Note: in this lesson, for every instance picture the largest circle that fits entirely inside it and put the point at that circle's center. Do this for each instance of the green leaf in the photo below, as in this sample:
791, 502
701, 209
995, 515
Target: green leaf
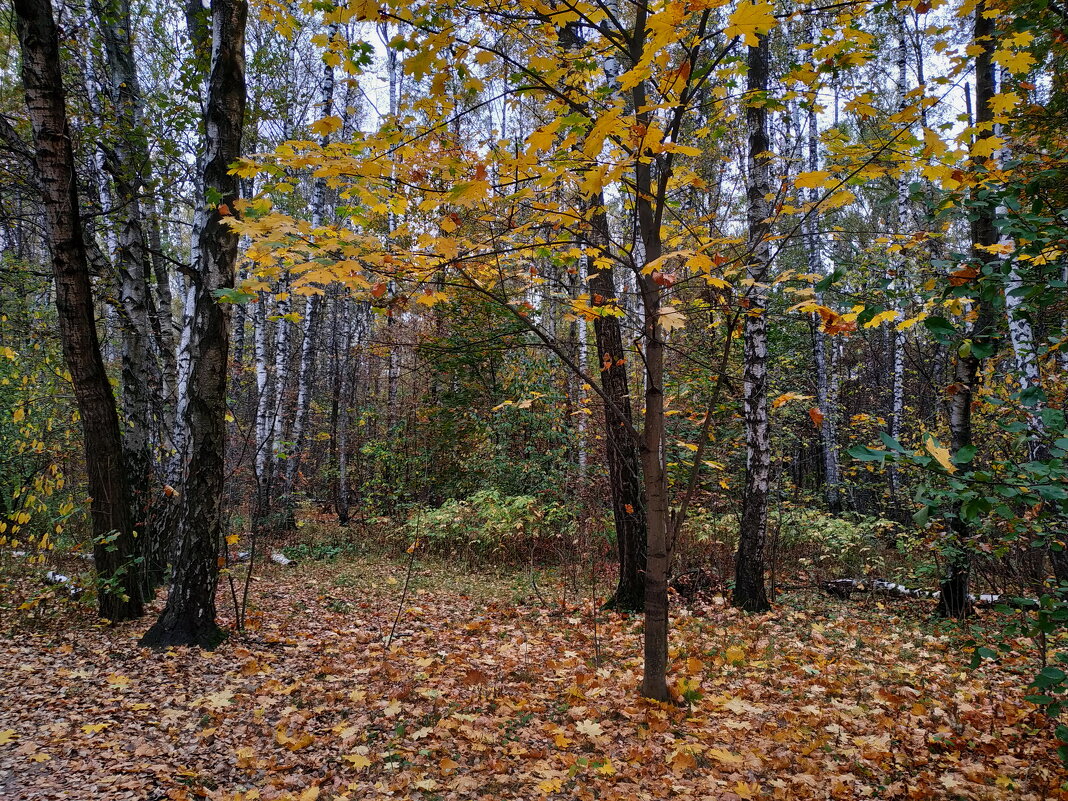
964, 455
866, 454
941, 329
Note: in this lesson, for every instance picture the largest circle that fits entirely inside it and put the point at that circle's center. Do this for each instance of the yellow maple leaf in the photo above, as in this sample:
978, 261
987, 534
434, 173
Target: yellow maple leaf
881, 318
905, 325
1004, 103
589, 728
1017, 63
357, 761
724, 756
815, 179
327, 125
750, 20
7, 736
785, 398
670, 318
550, 785
941, 455
987, 146
735, 655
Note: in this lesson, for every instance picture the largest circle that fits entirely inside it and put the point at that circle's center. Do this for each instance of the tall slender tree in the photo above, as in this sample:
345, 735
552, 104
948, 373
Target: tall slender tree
189, 617
749, 591
114, 545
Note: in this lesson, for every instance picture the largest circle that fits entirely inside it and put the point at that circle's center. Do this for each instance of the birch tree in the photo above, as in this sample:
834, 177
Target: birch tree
189, 617
114, 546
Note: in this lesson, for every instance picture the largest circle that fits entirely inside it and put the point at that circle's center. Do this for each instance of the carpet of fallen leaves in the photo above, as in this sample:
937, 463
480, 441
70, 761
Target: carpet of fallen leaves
481, 698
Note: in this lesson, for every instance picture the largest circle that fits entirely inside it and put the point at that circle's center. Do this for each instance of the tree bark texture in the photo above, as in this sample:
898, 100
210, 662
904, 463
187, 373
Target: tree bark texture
749, 591
312, 310
115, 548
649, 206
825, 400
189, 617
623, 450
143, 397
954, 601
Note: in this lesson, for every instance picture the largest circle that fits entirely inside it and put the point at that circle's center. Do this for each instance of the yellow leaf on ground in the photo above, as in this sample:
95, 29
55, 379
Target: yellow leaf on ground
589, 728
724, 756
735, 655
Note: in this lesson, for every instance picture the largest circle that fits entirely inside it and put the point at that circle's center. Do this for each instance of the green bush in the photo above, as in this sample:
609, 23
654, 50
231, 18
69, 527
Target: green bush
845, 546
490, 522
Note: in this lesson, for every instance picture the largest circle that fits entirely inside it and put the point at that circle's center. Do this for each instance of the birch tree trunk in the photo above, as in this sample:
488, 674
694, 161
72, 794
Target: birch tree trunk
143, 396
749, 591
312, 309
189, 617
264, 405
825, 400
897, 274
114, 546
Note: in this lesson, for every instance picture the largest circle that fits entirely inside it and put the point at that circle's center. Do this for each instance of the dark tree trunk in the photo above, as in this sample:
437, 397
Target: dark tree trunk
954, 601
624, 458
114, 549
189, 617
649, 202
623, 452
749, 591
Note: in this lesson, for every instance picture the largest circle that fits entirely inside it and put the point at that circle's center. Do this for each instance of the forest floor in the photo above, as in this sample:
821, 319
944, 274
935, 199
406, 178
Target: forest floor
481, 697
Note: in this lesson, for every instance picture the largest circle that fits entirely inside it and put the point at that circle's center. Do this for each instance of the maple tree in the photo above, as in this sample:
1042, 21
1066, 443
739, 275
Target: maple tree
752, 294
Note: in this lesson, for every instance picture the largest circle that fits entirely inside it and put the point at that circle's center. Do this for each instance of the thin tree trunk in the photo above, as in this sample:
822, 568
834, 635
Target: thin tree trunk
653, 452
189, 617
953, 601
312, 309
749, 591
344, 399
897, 277
114, 546
824, 361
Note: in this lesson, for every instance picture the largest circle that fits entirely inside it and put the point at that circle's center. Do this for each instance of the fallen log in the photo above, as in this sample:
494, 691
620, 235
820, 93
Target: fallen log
844, 588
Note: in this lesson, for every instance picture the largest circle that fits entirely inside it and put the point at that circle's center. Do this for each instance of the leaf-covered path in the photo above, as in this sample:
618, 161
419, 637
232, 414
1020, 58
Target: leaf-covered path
479, 698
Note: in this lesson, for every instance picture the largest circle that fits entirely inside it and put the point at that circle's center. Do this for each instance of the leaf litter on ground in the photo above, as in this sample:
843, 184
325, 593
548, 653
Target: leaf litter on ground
479, 697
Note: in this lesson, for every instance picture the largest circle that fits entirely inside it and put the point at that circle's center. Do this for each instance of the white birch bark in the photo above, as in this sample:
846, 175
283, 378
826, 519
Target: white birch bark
749, 590
264, 405
312, 305
896, 274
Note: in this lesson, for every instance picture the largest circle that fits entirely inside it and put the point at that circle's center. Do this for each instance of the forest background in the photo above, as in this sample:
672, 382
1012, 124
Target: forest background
744, 296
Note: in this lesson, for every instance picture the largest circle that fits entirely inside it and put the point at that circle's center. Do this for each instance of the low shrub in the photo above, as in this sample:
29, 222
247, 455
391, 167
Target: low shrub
490, 523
